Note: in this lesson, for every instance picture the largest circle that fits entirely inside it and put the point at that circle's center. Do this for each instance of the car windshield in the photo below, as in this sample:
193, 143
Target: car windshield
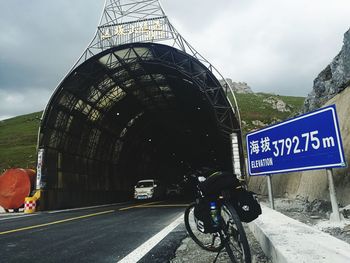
144, 184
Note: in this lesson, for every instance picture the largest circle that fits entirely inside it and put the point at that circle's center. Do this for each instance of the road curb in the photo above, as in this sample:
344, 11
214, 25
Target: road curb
286, 240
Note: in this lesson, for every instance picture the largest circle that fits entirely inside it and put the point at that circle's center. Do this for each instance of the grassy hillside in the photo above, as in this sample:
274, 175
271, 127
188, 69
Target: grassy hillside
18, 137
257, 112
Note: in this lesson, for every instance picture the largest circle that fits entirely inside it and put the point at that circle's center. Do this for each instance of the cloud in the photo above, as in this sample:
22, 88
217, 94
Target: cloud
40, 41
14, 103
274, 46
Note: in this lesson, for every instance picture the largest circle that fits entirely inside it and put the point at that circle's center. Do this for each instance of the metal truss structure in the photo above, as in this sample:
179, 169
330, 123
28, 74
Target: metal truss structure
130, 107
132, 21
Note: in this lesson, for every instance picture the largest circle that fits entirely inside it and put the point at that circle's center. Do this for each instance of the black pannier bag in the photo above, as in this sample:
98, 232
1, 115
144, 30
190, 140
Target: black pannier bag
218, 181
246, 204
202, 216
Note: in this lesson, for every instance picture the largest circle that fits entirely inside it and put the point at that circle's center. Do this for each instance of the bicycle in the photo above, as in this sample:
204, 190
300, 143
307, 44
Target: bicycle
228, 233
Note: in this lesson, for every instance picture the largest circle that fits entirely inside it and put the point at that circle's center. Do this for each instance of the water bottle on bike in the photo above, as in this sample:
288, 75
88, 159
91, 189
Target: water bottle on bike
214, 214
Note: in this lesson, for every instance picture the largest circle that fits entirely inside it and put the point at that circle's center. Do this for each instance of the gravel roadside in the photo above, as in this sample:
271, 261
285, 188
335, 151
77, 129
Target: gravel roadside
189, 251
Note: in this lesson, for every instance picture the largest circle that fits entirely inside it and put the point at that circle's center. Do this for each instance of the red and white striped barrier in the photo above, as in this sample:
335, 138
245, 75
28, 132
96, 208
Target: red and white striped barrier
29, 205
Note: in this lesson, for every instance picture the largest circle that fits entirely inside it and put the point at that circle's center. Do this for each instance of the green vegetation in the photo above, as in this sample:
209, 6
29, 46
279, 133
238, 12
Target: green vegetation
257, 109
18, 138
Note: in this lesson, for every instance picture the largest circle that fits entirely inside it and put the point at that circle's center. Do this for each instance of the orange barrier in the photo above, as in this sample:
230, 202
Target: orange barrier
15, 185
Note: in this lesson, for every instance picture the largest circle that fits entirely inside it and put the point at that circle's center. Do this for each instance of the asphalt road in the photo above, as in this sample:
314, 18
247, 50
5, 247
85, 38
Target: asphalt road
100, 234
127, 232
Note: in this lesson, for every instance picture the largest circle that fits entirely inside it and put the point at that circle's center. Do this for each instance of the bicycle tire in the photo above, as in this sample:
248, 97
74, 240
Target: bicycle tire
205, 240
237, 238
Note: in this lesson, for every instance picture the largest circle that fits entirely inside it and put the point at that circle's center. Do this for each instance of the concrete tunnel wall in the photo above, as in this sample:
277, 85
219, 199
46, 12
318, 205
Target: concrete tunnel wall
132, 112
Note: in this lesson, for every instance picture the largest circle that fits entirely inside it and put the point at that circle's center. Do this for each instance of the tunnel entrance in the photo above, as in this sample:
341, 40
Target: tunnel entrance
132, 112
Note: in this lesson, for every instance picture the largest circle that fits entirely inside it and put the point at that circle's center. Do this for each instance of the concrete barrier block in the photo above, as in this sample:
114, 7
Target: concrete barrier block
284, 239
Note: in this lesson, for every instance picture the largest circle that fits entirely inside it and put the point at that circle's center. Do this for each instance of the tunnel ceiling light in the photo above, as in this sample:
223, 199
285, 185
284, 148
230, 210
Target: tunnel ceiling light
118, 113
149, 139
198, 108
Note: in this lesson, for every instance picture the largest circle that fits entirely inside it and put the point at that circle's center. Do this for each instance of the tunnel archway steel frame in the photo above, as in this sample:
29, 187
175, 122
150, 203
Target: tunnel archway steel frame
122, 12
214, 94
117, 13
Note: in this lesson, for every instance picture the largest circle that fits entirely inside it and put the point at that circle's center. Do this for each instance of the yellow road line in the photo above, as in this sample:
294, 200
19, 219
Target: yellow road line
55, 222
135, 206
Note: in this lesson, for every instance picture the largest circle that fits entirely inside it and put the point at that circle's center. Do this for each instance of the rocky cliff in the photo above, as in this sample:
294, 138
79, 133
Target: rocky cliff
278, 104
332, 80
238, 87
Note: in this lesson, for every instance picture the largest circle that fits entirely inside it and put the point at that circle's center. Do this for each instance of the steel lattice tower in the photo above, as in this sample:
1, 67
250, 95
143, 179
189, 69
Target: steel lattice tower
130, 21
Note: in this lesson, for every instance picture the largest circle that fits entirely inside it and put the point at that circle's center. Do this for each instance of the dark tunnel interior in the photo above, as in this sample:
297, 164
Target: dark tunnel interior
137, 111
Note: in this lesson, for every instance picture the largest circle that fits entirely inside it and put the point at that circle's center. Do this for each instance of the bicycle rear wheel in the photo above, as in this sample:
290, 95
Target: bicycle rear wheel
236, 242
208, 241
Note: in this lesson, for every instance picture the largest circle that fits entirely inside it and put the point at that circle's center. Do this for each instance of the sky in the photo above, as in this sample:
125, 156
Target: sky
276, 46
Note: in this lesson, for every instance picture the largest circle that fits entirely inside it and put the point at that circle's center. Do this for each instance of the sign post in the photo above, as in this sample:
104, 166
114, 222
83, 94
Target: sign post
269, 189
307, 142
335, 215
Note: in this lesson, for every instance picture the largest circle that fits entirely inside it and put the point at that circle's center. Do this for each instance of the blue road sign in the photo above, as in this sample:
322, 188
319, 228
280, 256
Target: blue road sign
310, 141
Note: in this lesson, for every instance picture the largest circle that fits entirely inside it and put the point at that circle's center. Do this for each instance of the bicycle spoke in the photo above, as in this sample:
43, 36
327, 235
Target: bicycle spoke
230, 253
208, 241
233, 241
236, 249
213, 240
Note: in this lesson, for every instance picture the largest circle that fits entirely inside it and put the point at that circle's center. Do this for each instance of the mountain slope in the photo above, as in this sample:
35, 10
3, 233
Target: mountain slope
262, 109
18, 136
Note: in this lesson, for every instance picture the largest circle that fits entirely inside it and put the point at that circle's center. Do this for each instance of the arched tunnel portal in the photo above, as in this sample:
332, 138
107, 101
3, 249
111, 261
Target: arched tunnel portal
132, 112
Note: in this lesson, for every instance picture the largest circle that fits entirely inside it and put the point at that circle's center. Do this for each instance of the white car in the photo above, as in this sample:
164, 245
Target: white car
148, 189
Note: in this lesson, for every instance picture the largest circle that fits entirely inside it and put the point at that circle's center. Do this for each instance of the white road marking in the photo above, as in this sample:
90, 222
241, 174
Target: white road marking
83, 208
15, 217
142, 250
